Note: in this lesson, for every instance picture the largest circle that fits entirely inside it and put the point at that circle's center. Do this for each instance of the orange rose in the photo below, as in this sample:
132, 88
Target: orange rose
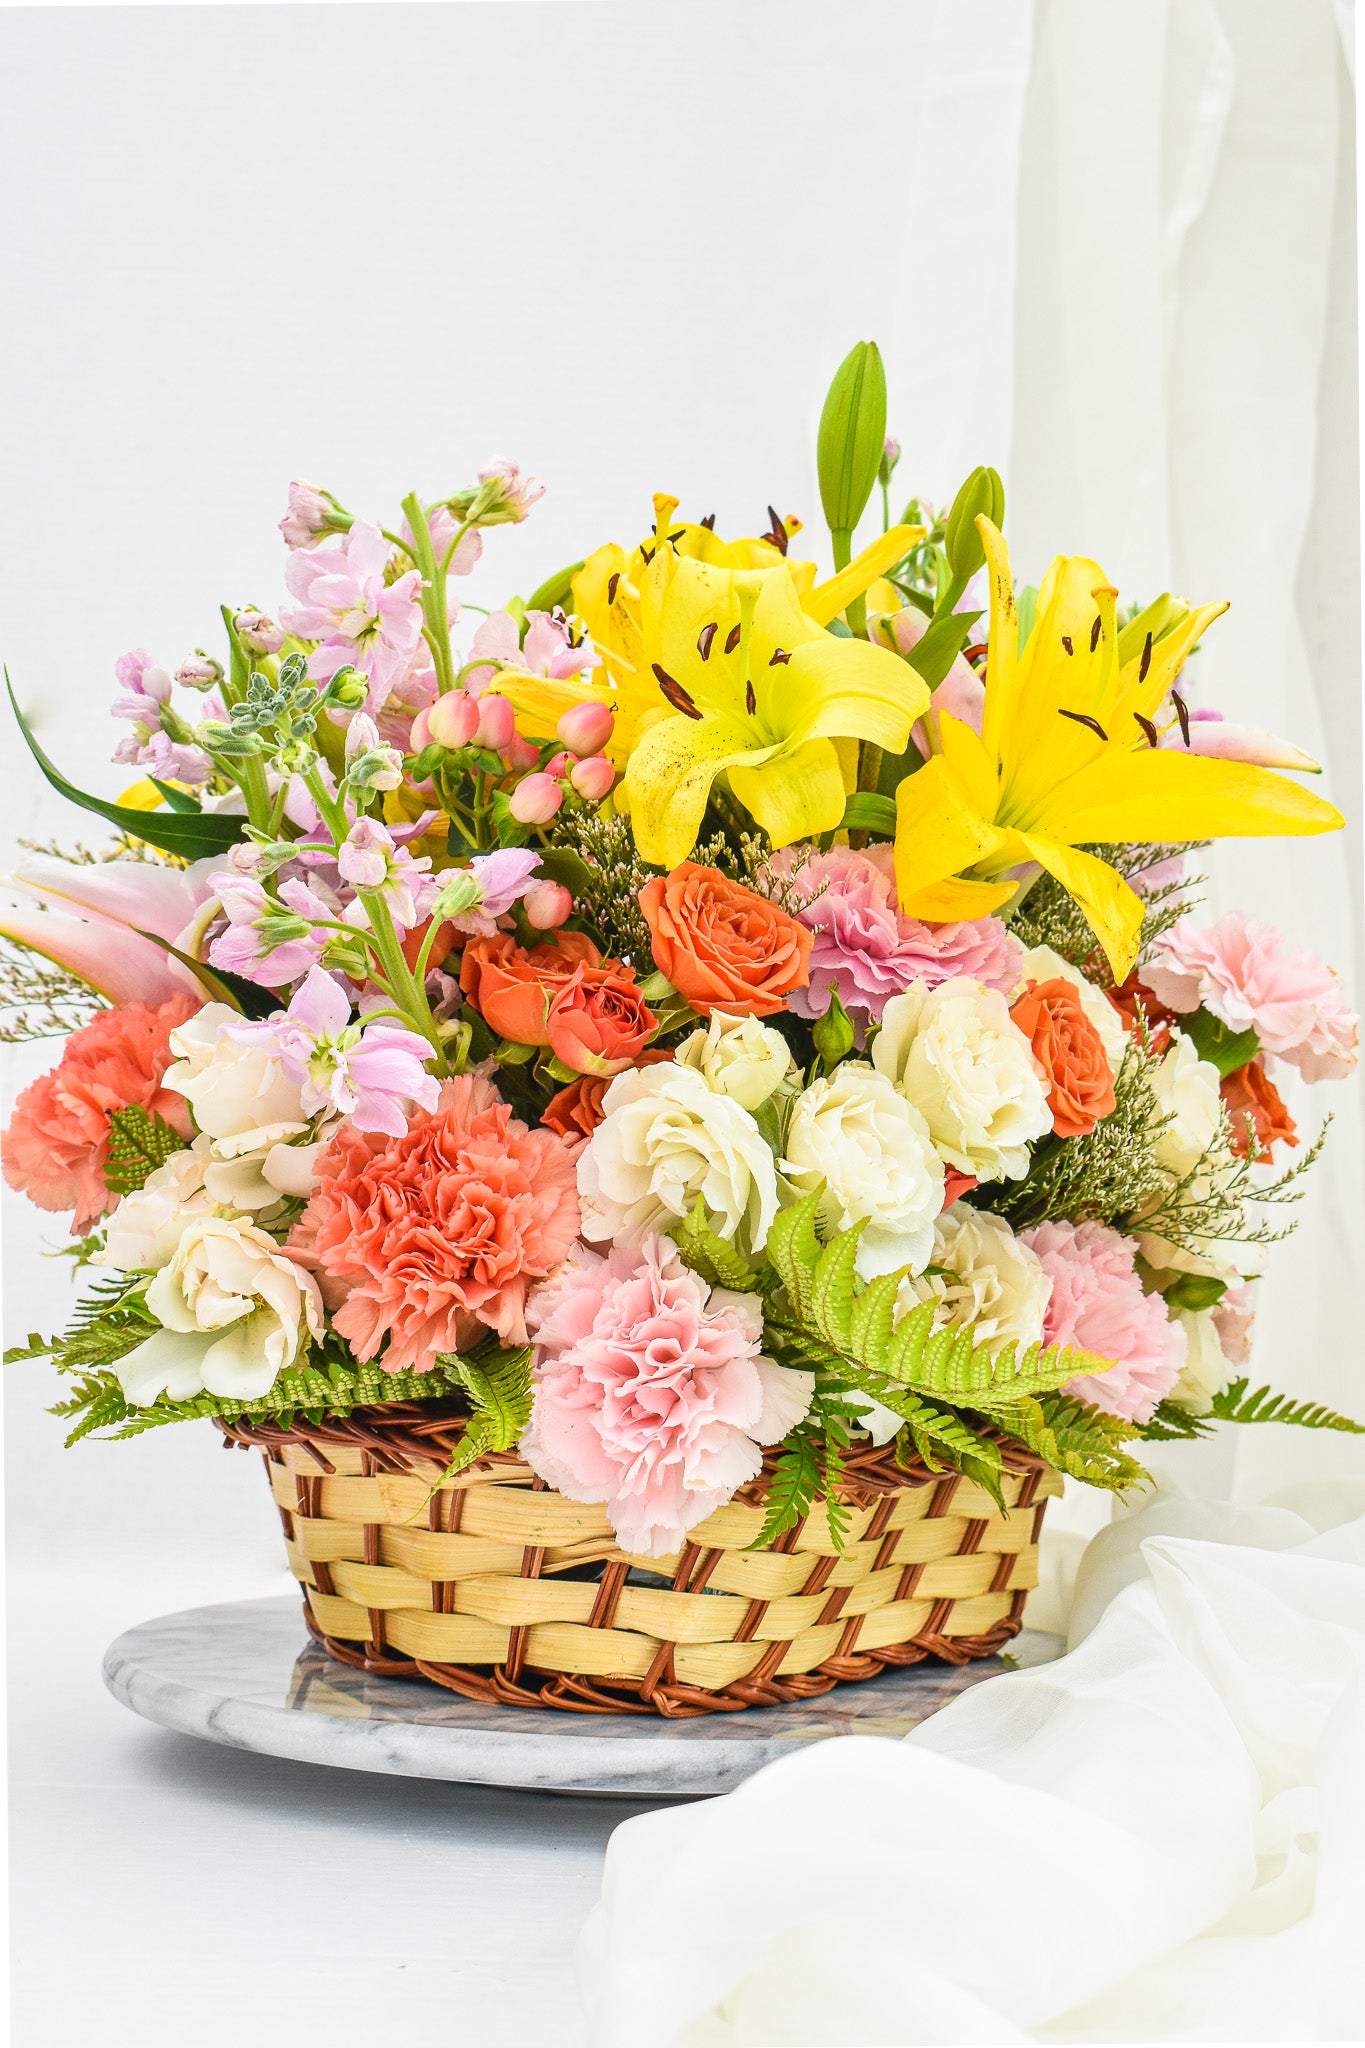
442, 945
722, 946
512, 987
1071, 1054
576, 1111
1130, 997
598, 1023
1254, 1104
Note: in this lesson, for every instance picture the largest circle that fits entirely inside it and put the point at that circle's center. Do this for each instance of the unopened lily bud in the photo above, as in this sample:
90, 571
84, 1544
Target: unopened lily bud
585, 728
258, 633
453, 721
536, 800
852, 434
547, 905
200, 672
981, 496
593, 778
497, 723
520, 756
559, 765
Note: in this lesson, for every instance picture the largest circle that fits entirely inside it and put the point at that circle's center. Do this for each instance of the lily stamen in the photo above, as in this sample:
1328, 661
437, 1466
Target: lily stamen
1083, 718
674, 692
1153, 737
732, 639
1183, 714
704, 639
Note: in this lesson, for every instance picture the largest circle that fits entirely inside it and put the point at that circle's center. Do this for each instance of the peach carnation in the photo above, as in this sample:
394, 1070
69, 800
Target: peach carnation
430, 1238
57, 1142
1097, 1304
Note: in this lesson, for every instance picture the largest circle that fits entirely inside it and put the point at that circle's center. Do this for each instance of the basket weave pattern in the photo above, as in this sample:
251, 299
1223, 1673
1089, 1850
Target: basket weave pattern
494, 1585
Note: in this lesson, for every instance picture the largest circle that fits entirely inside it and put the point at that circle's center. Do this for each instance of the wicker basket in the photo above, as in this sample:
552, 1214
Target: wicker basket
497, 1587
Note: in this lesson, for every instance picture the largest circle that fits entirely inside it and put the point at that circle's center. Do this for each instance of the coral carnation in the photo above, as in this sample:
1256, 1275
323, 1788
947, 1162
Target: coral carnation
57, 1142
1097, 1303
429, 1238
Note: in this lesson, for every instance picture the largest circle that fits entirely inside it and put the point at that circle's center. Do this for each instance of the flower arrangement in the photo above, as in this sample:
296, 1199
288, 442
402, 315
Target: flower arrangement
705, 1021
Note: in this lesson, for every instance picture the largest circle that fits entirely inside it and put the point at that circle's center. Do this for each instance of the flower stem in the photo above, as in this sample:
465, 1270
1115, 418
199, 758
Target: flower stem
433, 575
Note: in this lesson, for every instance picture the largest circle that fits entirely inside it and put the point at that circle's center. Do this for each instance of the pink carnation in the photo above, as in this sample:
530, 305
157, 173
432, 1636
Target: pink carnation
1234, 1313
651, 1394
866, 949
1097, 1303
58, 1138
432, 1237
1249, 975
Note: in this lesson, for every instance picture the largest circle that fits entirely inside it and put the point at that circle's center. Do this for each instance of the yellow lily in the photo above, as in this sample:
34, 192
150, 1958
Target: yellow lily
1067, 756
754, 689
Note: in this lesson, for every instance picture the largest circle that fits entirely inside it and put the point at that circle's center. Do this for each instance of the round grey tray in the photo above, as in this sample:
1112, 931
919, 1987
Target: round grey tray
247, 1675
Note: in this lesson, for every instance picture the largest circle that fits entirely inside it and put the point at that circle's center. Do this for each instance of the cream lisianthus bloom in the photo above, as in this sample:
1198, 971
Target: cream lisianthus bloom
1187, 1092
146, 1227
874, 1154
984, 1277
738, 1057
1042, 963
666, 1138
1206, 1367
241, 1097
954, 1053
235, 1312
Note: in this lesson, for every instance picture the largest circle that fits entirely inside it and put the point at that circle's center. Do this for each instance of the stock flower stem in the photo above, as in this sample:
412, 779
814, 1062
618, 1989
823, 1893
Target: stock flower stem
433, 573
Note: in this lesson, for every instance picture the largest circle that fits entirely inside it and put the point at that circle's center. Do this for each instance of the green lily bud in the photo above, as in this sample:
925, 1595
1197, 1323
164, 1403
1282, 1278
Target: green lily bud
833, 1033
982, 494
852, 437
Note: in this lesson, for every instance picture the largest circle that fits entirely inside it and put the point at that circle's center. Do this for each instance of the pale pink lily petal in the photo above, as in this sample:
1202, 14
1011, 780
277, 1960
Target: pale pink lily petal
108, 957
962, 694
1219, 740
140, 894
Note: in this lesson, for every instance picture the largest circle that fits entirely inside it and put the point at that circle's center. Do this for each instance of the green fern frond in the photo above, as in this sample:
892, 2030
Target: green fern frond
792, 1489
1082, 1441
1234, 1404
1170, 1423
501, 1392
714, 1257
139, 1142
794, 1249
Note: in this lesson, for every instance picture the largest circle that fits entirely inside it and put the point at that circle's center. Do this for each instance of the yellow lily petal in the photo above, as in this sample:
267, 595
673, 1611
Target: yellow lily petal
956, 902
850, 688
1002, 653
1162, 794
828, 599
1145, 693
796, 795
1113, 910
538, 701
847, 751
938, 831
965, 753
142, 796
668, 782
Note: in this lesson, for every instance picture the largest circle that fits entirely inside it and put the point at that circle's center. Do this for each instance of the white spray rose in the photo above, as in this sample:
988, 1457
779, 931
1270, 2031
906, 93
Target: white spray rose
954, 1053
1041, 963
990, 1280
145, 1229
874, 1152
1206, 1367
242, 1099
665, 1138
1186, 1090
234, 1311
738, 1057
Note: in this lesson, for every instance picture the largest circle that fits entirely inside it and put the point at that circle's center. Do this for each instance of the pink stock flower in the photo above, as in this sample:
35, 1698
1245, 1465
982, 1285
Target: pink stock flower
433, 1237
548, 649
309, 516
1249, 976
145, 689
473, 898
652, 1394
1234, 1313
511, 495
366, 1072
57, 1142
865, 949
443, 527
961, 693
268, 941
1097, 1304
370, 858
345, 604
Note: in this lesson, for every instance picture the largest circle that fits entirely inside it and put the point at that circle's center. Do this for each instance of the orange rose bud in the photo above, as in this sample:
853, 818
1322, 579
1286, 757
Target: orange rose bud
722, 946
512, 987
598, 1023
576, 1111
1254, 1104
1071, 1054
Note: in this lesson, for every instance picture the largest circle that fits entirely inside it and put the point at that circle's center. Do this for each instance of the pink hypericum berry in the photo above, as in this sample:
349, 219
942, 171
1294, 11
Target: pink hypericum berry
419, 734
520, 756
547, 905
593, 778
453, 721
258, 633
559, 765
586, 728
497, 723
536, 800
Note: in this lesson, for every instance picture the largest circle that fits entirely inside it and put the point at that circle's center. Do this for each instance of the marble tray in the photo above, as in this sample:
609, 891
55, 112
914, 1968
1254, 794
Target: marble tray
247, 1675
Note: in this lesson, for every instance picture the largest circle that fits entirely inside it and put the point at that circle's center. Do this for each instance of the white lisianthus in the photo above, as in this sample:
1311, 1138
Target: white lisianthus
738, 1057
988, 1279
235, 1312
241, 1097
666, 1138
1187, 1092
1206, 1367
954, 1053
1042, 963
874, 1153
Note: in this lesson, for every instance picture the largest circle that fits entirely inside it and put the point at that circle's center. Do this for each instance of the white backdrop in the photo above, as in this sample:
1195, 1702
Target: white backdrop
1110, 248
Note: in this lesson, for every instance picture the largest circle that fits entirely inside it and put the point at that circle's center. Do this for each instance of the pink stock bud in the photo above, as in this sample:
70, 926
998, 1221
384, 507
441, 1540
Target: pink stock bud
520, 756
420, 734
497, 722
559, 765
257, 633
536, 800
547, 905
586, 728
593, 778
453, 721
199, 672
309, 516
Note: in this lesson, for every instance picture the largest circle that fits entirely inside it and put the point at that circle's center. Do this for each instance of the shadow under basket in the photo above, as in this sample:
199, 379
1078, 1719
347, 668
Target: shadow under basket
495, 1586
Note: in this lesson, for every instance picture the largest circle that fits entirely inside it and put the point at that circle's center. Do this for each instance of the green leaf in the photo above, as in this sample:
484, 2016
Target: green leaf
218, 985
1235, 1404
865, 811
555, 590
714, 1257
933, 656
562, 864
139, 1142
193, 838
178, 799
791, 1490
1213, 1041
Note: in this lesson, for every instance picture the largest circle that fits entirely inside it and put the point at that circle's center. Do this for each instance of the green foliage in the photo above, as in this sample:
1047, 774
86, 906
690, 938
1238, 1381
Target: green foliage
714, 1257
139, 1142
500, 1391
1106, 1176
1234, 1404
1082, 1441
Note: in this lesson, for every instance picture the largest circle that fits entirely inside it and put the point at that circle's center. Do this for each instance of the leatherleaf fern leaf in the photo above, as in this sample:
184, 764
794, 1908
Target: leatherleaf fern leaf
1234, 1404
500, 1391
